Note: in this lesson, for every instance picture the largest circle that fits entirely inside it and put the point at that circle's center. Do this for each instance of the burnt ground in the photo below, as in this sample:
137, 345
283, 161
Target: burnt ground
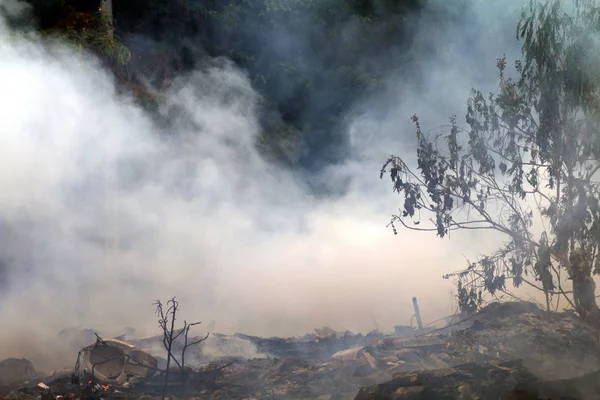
509, 350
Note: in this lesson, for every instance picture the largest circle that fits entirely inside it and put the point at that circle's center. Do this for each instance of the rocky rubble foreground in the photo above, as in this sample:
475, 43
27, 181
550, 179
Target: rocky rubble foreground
506, 351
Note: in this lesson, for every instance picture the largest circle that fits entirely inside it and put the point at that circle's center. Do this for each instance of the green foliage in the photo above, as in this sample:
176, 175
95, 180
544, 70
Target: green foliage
291, 5
280, 142
309, 58
93, 32
469, 298
526, 163
315, 78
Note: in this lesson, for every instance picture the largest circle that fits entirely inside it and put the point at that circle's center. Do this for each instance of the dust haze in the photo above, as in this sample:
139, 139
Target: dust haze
102, 213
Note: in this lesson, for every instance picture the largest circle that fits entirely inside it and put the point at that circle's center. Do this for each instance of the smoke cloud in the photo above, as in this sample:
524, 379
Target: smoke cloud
105, 210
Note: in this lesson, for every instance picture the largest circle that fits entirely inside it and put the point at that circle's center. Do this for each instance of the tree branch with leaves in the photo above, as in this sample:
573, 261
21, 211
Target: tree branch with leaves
524, 166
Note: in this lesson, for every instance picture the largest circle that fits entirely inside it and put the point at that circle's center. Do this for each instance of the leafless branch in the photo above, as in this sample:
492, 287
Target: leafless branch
167, 323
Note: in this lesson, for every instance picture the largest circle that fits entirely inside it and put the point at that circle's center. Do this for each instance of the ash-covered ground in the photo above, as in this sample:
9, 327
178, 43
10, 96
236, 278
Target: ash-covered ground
507, 350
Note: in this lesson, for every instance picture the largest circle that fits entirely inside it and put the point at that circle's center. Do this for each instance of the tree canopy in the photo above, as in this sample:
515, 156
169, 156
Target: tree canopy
526, 164
310, 59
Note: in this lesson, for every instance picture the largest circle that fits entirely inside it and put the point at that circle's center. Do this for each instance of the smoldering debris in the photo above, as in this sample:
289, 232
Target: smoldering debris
116, 362
14, 370
513, 350
509, 380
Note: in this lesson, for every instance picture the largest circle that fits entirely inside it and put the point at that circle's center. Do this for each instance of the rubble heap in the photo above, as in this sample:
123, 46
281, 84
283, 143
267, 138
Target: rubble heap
505, 381
16, 370
551, 345
467, 381
513, 350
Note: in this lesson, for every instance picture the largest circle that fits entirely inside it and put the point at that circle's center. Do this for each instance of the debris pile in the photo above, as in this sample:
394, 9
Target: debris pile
551, 345
467, 381
115, 362
16, 370
513, 350
504, 381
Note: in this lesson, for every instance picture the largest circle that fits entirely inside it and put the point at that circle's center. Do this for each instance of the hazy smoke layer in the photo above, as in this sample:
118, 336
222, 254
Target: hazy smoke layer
102, 213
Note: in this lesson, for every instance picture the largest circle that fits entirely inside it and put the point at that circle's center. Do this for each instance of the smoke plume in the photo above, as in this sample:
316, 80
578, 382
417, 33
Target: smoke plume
105, 210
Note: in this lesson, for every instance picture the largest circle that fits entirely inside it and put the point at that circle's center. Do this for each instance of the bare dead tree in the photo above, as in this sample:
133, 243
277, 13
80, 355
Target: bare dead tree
166, 322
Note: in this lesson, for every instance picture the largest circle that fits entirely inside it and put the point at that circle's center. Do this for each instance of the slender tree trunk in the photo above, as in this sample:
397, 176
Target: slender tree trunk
107, 7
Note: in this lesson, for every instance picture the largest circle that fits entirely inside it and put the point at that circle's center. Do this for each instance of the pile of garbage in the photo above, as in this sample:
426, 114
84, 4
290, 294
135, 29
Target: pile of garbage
510, 350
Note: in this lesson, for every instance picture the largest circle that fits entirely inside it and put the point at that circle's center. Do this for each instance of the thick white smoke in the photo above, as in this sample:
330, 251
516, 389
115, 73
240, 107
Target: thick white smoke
103, 211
